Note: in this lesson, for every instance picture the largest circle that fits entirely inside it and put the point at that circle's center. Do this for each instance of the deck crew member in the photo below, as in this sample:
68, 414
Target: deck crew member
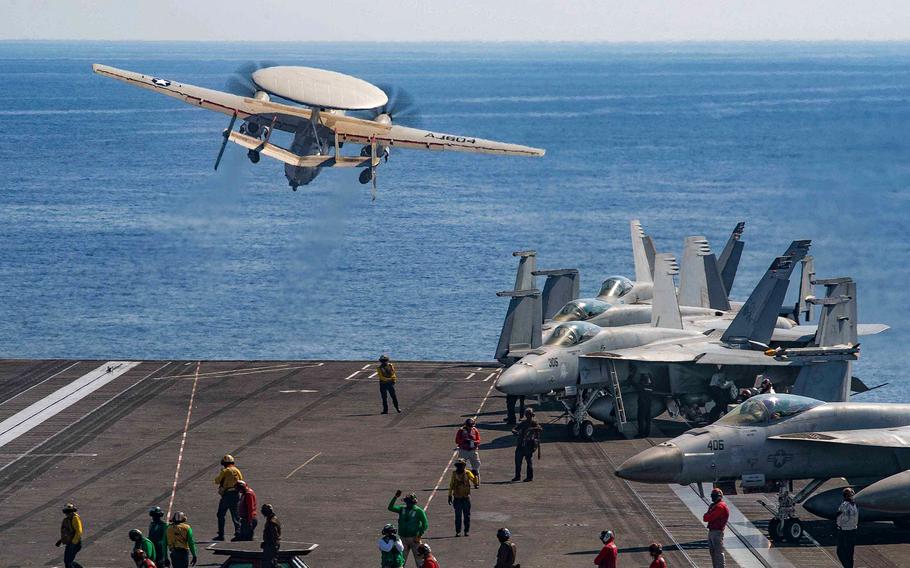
766, 387
70, 536
716, 517
142, 560
847, 520
158, 535
608, 554
645, 392
226, 480
271, 537
508, 552
467, 438
246, 510
143, 544
426, 556
387, 379
460, 495
657, 554
412, 523
528, 432
180, 541
390, 548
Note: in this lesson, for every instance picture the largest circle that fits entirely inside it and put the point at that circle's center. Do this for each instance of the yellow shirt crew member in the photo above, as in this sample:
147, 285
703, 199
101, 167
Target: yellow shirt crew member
227, 479
387, 378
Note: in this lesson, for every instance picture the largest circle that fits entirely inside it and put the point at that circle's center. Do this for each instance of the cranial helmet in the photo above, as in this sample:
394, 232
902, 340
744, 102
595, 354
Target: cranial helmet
606, 536
503, 534
716, 493
135, 534
424, 549
179, 517
389, 530
228, 458
156, 512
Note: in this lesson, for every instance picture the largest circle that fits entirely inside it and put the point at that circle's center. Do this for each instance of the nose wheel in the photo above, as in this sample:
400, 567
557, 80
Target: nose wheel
578, 426
253, 155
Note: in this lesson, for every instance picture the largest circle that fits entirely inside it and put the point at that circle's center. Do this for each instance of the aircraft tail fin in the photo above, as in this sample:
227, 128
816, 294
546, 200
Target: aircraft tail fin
521, 330
560, 288
700, 282
825, 381
754, 323
664, 304
837, 321
527, 264
728, 262
805, 309
642, 252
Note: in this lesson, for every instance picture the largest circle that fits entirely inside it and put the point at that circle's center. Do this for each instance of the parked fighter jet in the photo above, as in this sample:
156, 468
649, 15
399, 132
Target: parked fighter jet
782, 438
320, 127
554, 366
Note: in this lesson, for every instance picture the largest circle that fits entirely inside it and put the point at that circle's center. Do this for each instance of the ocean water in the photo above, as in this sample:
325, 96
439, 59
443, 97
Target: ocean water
119, 240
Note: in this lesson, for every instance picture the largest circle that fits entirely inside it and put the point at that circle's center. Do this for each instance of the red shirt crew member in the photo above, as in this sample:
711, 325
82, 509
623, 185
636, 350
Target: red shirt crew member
608, 554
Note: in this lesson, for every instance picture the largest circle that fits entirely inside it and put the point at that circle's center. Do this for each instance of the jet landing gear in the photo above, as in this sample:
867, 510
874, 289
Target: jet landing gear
785, 525
578, 425
253, 155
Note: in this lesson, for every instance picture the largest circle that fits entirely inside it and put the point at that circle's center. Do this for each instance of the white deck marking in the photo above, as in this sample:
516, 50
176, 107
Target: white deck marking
373, 375
747, 545
352, 375
17, 456
61, 399
367, 366
299, 467
455, 453
239, 372
468, 378
490, 376
39, 384
298, 390
83, 417
186, 427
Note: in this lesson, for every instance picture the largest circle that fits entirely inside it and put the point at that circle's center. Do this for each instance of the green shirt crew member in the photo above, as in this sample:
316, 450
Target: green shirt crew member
390, 548
158, 535
143, 544
412, 523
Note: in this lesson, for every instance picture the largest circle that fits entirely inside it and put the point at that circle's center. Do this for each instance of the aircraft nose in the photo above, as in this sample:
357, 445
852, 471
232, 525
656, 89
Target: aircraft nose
517, 380
660, 464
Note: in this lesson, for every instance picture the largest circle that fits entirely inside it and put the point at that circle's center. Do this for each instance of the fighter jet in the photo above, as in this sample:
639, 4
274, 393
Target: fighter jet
779, 438
554, 366
317, 119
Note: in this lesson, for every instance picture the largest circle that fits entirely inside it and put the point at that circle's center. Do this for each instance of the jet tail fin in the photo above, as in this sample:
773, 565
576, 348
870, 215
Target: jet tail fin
805, 309
664, 304
756, 319
837, 321
527, 264
700, 282
728, 262
642, 252
521, 330
560, 288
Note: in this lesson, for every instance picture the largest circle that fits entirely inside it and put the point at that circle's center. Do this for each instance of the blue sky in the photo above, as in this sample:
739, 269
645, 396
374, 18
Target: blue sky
463, 20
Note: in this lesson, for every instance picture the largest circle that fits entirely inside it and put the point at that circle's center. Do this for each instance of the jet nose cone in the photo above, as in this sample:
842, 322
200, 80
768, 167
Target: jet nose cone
660, 464
517, 380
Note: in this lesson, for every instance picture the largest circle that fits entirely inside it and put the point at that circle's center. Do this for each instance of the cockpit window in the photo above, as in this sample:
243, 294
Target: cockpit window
581, 310
569, 334
764, 408
615, 286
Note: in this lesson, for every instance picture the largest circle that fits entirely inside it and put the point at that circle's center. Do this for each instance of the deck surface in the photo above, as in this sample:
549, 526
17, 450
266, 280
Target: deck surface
309, 439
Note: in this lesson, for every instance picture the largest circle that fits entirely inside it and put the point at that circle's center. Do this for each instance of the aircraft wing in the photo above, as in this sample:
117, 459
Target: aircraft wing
873, 437
290, 117
359, 131
286, 117
698, 352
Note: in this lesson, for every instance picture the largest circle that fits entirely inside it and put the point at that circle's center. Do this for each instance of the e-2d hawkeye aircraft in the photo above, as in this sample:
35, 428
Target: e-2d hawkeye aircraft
774, 439
320, 126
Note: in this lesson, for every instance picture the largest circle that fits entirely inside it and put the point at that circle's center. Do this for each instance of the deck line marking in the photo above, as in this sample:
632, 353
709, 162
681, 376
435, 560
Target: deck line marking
240, 372
490, 376
746, 544
61, 399
367, 366
299, 467
186, 427
479, 369
352, 375
373, 375
49, 455
39, 384
83, 417
298, 390
455, 452
468, 378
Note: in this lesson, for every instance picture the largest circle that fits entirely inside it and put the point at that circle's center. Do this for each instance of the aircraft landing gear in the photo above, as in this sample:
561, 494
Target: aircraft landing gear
578, 425
253, 155
785, 525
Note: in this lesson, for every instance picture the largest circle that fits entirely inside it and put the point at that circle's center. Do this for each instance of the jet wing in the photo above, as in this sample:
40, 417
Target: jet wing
873, 437
697, 351
286, 117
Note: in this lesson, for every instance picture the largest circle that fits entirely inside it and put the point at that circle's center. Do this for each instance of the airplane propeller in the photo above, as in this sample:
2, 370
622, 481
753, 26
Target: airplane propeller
400, 107
241, 82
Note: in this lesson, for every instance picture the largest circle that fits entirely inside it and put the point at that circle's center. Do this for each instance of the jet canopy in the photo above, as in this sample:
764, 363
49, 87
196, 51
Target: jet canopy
573, 333
765, 408
581, 310
615, 286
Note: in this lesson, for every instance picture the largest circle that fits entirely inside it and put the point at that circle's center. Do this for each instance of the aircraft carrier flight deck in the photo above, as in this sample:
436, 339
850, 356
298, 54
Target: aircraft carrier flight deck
118, 437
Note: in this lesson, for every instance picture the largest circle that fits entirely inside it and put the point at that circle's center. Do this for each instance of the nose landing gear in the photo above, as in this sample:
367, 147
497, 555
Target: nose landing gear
253, 155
